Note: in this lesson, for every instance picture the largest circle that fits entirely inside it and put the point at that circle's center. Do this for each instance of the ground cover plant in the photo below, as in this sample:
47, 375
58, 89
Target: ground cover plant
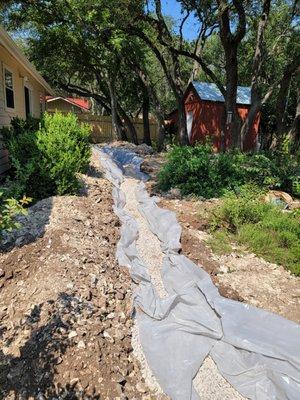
263, 228
198, 170
9, 209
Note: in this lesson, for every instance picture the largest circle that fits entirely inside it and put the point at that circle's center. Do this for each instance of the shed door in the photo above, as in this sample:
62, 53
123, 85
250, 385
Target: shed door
189, 123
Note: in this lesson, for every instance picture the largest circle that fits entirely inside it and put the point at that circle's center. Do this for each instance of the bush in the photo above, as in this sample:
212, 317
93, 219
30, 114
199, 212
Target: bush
19, 126
9, 209
64, 147
197, 170
191, 169
262, 227
46, 161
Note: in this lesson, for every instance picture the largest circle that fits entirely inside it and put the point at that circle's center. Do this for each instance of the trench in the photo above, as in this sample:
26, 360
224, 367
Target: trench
208, 382
199, 344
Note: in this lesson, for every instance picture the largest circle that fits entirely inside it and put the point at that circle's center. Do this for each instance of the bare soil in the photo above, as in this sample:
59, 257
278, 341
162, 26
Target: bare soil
239, 275
65, 307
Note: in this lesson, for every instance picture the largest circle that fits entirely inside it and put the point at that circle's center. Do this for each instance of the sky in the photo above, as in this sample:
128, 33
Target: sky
172, 8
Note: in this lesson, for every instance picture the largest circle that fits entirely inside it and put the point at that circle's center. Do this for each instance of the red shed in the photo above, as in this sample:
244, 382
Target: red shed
204, 107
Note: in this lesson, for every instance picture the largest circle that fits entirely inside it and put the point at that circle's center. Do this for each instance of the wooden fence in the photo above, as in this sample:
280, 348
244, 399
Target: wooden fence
102, 130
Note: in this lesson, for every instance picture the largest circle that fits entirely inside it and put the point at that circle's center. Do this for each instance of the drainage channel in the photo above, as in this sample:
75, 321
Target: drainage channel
183, 322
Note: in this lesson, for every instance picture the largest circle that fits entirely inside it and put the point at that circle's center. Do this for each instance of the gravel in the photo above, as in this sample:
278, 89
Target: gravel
209, 382
152, 256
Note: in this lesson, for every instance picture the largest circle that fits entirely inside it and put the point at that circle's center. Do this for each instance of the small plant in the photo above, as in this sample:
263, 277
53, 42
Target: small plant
296, 186
9, 210
220, 243
261, 227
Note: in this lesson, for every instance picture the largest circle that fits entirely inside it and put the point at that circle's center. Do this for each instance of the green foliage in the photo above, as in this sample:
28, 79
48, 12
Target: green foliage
240, 209
46, 162
9, 209
198, 170
263, 228
65, 150
220, 243
296, 186
191, 169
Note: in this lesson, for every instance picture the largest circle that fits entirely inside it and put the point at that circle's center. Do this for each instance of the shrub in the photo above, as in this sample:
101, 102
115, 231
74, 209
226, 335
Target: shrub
263, 228
46, 162
191, 169
9, 209
64, 147
197, 170
27, 176
19, 126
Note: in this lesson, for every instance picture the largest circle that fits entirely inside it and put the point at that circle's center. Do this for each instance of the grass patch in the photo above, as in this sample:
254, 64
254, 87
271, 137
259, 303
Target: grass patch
264, 229
220, 243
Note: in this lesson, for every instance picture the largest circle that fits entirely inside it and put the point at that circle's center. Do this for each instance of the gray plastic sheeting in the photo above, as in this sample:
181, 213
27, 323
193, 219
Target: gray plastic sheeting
128, 162
256, 351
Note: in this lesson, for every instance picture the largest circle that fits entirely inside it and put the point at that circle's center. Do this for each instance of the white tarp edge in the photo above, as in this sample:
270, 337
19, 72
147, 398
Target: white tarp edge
258, 352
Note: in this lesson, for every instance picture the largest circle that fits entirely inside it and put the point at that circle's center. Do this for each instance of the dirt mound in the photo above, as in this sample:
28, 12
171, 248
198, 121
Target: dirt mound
65, 308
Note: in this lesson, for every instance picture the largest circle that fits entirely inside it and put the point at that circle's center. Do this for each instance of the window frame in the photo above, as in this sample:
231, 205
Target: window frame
6, 68
29, 87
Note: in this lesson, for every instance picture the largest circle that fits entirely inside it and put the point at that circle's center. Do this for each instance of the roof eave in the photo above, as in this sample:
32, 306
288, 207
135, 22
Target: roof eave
13, 49
67, 101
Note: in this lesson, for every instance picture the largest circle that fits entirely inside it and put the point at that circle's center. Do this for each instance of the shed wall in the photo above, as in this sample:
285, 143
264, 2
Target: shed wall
207, 122
63, 106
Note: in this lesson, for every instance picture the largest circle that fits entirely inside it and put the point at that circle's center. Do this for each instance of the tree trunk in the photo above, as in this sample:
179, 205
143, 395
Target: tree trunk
249, 121
280, 108
182, 128
117, 129
129, 125
157, 107
198, 53
147, 134
123, 129
257, 64
230, 42
295, 130
233, 120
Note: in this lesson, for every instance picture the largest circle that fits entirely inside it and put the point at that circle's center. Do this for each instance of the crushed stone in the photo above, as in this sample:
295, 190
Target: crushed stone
209, 383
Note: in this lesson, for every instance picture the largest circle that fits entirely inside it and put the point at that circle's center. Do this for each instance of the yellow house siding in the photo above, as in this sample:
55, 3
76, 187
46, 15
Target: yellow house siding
21, 78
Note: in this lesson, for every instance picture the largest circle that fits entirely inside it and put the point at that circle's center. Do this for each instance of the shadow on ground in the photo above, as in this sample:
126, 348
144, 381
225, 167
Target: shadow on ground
32, 373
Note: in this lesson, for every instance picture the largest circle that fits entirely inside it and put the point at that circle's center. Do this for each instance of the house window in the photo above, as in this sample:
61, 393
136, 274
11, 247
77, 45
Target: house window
27, 95
9, 89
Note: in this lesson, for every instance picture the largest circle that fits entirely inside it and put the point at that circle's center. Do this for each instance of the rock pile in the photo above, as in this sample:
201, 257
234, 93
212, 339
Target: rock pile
142, 149
66, 306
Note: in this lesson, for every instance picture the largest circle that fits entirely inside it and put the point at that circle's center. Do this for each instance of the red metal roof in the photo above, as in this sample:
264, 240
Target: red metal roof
82, 103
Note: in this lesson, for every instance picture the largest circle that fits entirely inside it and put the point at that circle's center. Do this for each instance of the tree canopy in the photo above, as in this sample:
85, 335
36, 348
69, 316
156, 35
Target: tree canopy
128, 57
